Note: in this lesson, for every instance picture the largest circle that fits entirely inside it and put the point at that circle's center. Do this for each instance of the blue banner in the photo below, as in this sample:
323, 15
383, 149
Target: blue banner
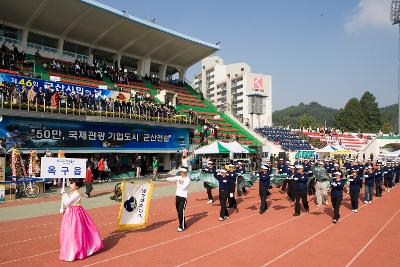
40, 134
54, 86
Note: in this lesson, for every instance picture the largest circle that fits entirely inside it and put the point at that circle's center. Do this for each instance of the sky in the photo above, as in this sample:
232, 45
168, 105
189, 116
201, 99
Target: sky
315, 50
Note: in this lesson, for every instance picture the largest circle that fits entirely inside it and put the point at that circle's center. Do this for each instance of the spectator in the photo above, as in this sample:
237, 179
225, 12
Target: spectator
138, 165
88, 180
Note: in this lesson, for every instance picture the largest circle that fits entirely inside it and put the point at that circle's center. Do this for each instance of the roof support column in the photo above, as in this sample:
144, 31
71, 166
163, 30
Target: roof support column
182, 74
24, 41
117, 59
144, 66
60, 47
162, 71
91, 56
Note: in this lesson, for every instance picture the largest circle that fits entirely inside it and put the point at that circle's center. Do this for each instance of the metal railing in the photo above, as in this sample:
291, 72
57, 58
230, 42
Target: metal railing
15, 101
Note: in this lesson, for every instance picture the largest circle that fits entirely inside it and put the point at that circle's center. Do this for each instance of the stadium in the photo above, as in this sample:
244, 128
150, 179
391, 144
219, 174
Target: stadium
84, 83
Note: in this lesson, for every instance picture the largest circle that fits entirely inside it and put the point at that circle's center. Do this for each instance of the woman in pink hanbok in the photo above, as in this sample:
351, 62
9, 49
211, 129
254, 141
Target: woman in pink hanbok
79, 237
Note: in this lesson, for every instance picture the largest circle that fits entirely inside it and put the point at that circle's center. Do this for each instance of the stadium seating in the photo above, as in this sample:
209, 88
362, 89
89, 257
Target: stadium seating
188, 99
288, 140
347, 140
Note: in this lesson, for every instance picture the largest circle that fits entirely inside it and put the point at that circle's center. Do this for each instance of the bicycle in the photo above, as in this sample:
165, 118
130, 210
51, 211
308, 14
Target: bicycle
30, 189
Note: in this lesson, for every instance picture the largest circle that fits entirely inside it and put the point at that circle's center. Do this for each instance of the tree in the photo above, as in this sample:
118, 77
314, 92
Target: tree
369, 106
351, 118
307, 121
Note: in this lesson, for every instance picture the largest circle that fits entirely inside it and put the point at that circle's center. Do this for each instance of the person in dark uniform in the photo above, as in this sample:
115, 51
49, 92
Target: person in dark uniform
265, 179
290, 184
232, 181
300, 190
355, 187
397, 173
388, 171
360, 169
337, 185
240, 171
286, 171
209, 169
369, 178
378, 179
224, 190
281, 168
347, 166
311, 183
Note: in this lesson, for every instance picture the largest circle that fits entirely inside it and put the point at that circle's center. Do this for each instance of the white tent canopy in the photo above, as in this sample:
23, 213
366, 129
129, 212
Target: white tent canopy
222, 148
213, 148
235, 147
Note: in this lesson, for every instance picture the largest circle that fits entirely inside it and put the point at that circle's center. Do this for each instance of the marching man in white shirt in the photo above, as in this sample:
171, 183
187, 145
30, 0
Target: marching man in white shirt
182, 185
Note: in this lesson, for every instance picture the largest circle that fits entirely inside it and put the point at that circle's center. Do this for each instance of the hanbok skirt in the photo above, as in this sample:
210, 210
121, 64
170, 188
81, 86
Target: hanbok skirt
79, 237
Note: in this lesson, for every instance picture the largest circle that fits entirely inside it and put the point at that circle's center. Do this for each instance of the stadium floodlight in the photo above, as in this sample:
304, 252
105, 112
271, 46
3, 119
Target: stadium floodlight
395, 12
395, 18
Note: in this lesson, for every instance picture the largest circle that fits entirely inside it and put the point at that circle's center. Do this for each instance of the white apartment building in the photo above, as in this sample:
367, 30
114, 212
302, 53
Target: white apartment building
234, 88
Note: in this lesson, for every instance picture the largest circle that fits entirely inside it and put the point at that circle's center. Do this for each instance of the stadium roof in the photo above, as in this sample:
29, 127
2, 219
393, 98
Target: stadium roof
97, 25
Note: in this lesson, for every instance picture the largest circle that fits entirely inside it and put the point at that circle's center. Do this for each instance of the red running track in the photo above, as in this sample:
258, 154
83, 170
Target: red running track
369, 238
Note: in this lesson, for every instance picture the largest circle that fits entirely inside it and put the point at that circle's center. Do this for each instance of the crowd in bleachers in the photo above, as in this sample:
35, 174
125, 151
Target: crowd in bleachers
142, 105
289, 141
10, 58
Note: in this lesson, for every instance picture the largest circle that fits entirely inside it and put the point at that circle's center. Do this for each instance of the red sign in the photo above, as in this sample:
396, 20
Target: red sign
258, 84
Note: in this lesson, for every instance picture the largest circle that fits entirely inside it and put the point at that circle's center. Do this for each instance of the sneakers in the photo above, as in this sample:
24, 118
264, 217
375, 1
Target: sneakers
334, 221
226, 217
220, 219
210, 201
369, 202
180, 229
355, 211
352, 210
366, 202
296, 214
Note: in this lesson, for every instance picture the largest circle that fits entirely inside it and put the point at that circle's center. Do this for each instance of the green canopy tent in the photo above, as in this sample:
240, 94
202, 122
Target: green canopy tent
213, 148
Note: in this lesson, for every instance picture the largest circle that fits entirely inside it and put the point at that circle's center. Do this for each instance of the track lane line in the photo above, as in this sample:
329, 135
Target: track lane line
372, 239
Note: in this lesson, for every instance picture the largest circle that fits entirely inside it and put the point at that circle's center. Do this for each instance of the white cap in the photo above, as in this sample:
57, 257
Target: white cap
240, 163
183, 169
280, 159
210, 162
369, 167
264, 167
299, 167
336, 165
288, 161
223, 170
338, 173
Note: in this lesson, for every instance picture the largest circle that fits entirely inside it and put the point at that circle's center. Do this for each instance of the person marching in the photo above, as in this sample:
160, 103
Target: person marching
240, 170
337, 185
209, 169
224, 190
79, 237
290, 184
378, 179
281, 170
387, 178
321, 184
312, 181
285, 170
300, 190
265, 179
182, 185
355, 187
369, 178
232, 181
